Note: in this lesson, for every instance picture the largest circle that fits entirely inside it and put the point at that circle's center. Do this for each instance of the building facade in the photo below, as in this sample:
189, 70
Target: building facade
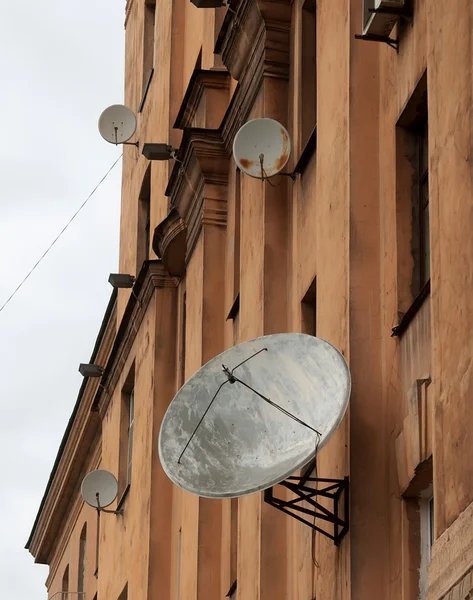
367, 247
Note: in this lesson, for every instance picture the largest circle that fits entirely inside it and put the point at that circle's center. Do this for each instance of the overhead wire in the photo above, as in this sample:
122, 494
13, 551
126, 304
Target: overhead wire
46, 252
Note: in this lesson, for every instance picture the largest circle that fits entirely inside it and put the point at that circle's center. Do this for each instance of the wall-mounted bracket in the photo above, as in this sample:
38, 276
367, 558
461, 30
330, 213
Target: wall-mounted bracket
368, 37
331, 489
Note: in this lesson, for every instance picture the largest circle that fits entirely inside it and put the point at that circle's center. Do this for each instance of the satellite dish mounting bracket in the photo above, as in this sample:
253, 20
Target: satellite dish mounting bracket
331, 489
291, 175
105, 510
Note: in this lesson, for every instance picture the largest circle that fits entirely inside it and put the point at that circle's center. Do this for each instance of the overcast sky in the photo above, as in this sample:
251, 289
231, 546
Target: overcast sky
61, 64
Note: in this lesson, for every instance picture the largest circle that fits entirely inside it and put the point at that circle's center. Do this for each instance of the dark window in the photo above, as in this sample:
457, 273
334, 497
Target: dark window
144, 221
309, 310
131, 421
422, 205
81, 566
127, 421
412, 202
234, 540
179, 557
182, 345
148, 41
431, 521
237, 235
308, 100
236, 259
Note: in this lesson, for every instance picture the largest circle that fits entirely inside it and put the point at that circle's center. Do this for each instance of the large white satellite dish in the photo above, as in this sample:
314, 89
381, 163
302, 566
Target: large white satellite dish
117, 124
242, 443
261, 148
99, 488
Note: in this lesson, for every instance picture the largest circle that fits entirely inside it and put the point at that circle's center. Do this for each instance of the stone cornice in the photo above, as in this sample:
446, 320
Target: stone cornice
128, 7
73, 513
256, 27
452, 557
169, 242
201, 85
198, 182
153, 275
202, 151
82, 430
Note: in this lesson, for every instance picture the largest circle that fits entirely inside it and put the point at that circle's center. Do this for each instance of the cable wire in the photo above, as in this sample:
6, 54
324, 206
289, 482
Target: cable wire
23, 281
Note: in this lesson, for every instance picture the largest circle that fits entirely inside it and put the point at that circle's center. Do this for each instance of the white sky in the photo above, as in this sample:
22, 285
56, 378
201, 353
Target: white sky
61, 64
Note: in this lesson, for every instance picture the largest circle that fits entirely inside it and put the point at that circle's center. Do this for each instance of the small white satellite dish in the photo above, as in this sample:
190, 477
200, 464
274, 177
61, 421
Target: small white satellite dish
99, 488
117, 124
234, 431
261, 148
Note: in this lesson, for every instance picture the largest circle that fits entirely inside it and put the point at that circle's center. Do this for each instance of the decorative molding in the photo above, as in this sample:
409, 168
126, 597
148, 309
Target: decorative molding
463, 590
452, 559
414, 443
153, 275
73, 457
253, 28
255, 43
128, 7
208, 94
169, 242
64, 535
198, 184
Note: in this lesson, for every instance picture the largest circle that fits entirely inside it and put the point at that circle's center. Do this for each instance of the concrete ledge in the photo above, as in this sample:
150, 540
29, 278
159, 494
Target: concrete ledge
452, 560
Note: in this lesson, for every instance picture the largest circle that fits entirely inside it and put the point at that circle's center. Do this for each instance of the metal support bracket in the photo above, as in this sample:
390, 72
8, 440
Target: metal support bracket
368, 37
331, 489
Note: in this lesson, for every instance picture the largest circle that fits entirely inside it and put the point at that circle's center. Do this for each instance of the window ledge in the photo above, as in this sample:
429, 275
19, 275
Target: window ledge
123, 497
306, 153
412, 311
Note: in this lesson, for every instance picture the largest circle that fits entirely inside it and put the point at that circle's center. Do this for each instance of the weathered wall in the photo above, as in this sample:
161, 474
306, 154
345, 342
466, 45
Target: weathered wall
341, 224
68, 548
450, 99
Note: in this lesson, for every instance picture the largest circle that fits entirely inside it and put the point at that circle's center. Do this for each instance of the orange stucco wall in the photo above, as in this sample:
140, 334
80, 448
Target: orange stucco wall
339, 223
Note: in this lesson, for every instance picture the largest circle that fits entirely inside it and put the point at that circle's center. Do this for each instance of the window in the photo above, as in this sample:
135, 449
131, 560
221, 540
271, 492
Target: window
236, 235
144, 221
127, 421
235, 310
65, 584
148, 42
412, 201
182, 338
421, 205
131, 420
233, 546
308, 100
426, 516
309, 310
81, 566
235, 227
417, 532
